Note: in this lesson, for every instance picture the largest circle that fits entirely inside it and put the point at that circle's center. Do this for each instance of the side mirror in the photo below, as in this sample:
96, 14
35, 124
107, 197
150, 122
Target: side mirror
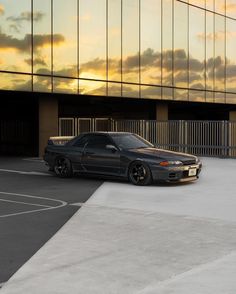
112, 148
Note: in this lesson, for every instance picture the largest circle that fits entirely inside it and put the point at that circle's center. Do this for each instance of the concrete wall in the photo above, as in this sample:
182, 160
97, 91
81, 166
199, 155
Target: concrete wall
48, 121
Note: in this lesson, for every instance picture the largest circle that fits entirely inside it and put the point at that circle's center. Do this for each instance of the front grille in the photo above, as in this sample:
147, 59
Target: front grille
189, 162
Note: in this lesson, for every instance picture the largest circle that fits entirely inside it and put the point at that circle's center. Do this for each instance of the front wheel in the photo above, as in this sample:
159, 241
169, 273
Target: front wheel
139, 174
63, 168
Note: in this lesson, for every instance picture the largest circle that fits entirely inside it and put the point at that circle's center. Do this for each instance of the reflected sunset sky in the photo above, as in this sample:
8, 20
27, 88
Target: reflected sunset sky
143, 43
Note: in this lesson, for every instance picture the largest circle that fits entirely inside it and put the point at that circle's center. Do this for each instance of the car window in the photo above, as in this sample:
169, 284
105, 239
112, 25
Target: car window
130, 141
81, 141
98, 141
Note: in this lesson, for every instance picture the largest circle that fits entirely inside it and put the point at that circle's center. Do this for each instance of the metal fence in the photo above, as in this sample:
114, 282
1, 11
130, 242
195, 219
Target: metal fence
203, 138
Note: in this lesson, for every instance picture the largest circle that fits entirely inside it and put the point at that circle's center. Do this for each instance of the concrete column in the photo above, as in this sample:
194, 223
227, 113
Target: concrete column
232, 133
232, 115
48, 121
162, 130
161, 111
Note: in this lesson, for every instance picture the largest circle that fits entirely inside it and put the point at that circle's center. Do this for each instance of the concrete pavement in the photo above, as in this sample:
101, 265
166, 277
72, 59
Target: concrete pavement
168, 239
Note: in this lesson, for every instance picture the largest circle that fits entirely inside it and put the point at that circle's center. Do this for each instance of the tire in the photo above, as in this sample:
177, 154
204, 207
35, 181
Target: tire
139, 174
63, 168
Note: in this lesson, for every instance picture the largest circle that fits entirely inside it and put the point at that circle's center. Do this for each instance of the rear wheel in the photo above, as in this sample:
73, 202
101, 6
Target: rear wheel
139, 174
63, 168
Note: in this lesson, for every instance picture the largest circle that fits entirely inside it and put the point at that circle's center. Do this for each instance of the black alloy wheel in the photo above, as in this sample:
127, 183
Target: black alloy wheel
140, 174
63, 168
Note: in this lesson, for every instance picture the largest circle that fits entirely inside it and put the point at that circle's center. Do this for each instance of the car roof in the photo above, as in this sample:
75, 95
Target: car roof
105, 133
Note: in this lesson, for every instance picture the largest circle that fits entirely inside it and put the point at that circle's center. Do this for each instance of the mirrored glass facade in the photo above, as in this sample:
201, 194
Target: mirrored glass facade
150, 49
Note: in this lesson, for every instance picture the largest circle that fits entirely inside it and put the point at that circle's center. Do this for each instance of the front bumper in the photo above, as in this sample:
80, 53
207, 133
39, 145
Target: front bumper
176, 173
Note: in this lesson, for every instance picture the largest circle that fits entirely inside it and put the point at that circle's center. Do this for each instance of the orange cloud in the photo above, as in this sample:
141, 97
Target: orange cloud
2, 10
230, 7
8, 42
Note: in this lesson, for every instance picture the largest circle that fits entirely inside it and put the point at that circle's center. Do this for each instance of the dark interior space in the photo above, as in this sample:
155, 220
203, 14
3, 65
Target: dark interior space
18, 124
111, 107
199, 111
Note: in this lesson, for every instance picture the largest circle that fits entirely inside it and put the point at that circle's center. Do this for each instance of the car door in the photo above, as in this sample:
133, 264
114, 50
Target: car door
76, 152
99, 159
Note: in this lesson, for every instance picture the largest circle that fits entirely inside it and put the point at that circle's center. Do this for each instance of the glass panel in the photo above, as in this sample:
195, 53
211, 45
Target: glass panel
69, 86
231, 8
197, 96
65, 38
150, 92
130, 41
42, 84
167, 94
199, 3
15, 82
114, 40
209, 50
231, 98
151, 42
15, 36
230, 55
219, 53
130, 91
181, 44
219, 97
114, 89
180, 94
167, 43
196, 48
92, 88
42, 30
92, 39
210, 5
220, 6
209, 96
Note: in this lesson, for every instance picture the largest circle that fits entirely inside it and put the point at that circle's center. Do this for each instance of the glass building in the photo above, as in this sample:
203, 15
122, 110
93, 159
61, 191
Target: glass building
149, 59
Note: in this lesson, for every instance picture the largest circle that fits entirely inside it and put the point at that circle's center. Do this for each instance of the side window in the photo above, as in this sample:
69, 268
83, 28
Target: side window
98, 141
81, 141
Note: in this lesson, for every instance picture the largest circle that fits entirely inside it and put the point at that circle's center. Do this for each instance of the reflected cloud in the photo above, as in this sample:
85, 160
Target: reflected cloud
23, 45
16, 21
26, 16
36, 61
2, 10
218, 36
231, 7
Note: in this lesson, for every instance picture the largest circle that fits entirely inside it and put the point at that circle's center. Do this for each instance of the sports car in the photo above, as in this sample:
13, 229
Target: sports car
123, 155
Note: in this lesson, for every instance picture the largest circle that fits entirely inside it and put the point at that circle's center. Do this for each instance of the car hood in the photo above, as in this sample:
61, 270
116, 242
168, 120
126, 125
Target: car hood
165, 154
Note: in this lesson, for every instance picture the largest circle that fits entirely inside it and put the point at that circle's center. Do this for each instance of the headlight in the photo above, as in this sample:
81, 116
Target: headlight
170, 162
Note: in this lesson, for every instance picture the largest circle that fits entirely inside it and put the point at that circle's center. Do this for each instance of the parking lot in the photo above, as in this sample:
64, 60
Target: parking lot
34, 205
165, 239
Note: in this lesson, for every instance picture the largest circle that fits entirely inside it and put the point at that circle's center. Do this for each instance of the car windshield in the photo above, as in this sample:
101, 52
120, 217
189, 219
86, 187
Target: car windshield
130, 141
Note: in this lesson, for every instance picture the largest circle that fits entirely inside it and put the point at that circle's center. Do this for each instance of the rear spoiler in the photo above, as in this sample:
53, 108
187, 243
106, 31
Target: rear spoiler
61, 140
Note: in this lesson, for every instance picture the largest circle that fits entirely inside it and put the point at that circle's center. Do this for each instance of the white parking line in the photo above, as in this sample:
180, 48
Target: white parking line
33, 159
31, 173
25, 203
62, 204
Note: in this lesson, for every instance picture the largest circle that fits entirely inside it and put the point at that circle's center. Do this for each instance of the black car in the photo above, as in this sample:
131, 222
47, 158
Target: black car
120, 154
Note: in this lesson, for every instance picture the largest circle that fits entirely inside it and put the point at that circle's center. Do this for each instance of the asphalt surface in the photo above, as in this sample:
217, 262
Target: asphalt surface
34, 205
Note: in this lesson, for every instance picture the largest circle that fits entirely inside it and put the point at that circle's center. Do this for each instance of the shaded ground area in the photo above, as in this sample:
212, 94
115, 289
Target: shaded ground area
34, 205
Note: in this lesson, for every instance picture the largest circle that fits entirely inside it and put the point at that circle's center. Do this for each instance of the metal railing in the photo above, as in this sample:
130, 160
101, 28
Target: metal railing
203, 138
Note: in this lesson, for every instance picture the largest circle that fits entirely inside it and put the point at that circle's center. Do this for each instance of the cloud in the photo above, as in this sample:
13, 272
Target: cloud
94, 65
16, 21
36, 61
231, 7
23, 45
2, 10
27, 16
